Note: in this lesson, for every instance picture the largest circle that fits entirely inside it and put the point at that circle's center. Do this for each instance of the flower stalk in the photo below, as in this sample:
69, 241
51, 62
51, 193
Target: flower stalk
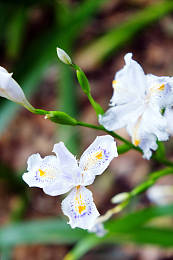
82, 79
60, 117
150, 181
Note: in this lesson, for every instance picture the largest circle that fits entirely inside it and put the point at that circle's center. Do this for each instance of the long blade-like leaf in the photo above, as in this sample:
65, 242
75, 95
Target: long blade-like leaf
42, 53
43, 231
95, 52
129, 229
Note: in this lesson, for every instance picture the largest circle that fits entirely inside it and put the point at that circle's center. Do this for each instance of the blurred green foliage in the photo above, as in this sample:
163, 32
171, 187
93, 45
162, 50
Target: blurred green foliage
135, 227
117, 37
29, 58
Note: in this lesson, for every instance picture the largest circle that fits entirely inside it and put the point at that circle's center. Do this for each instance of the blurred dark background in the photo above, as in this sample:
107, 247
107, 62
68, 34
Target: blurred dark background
97, 34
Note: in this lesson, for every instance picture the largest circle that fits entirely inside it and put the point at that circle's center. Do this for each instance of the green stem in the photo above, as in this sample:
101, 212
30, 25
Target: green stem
163, 160
113, 134
129, 144
157, 156
151, 180
85, 85
153, 177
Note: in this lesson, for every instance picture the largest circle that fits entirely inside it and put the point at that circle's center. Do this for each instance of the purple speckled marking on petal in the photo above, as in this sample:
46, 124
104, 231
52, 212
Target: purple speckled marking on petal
76, 215
106, 154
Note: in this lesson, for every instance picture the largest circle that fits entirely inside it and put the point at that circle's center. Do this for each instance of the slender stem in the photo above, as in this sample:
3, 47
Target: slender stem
163, 160
112, 211
110, 133
90, 125
155, 156
152, 178
130, 145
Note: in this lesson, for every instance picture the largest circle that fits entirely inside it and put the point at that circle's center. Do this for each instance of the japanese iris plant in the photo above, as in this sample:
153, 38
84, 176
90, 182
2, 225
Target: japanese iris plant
137, 104
140, 103
60, 173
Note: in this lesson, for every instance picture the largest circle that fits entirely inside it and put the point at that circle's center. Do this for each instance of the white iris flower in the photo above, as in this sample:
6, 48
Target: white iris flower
160, 194
11, 90
136, 104
169, 118
61, 173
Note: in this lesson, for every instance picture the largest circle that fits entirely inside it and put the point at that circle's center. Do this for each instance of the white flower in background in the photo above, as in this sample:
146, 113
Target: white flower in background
136, 104
161, 194
63, 56
169, 118
61, 173
11, 90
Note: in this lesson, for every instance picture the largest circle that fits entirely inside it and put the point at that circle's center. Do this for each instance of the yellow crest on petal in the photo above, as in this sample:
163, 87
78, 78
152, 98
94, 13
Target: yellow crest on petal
79, 201
99, 155
92, 159
41, 172
114, 83
136, 142
161, 88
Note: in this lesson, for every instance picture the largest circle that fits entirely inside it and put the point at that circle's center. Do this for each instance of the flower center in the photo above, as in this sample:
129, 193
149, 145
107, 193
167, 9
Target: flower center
80, 203
92, 160
152, 90
81, 208
135, 136
42, 173
99, 155
48, 174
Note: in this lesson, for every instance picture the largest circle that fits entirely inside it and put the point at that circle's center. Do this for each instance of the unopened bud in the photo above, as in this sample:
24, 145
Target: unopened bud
11, 90
83, 81
61, 118
63, 56
120, 197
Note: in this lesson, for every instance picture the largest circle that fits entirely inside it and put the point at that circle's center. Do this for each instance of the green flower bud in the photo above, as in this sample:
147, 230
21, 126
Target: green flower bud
83, 81
61, 118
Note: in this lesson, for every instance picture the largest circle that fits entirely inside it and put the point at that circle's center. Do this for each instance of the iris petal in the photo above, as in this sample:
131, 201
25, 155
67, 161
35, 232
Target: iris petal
80, 208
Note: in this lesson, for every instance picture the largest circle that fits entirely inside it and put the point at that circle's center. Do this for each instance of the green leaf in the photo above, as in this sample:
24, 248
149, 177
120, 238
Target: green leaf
98, 50
83, 247
6, 253
139, 218
54, 231
129, 229
40, 55
152, 236
161, 237
16, 32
